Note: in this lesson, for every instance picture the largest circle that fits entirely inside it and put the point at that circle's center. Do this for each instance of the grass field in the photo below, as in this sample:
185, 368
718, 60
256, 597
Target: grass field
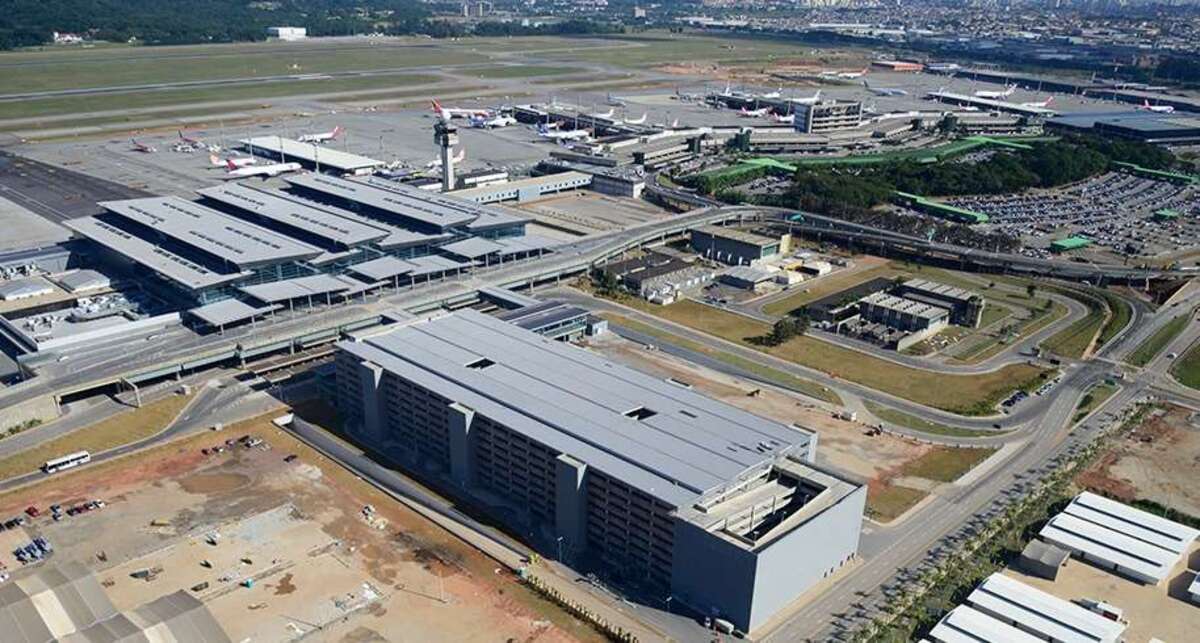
901, 418
777, 377
824, 286
1107, 315
945, 464
993, 345
1154, 344
963, 394
161, 98
1187, 368
515, 71
119, 430
885, 504
659, 48
1095, 396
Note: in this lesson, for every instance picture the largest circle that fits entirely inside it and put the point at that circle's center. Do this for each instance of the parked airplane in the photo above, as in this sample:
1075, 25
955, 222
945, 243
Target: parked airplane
488, 122
1161, 109
807, 100
636, 121
563, 135
884, 91
1044, 103
321, 137
607, 114
996, 95
755, 113
614, 101
145, 149
274, 169
789, 119
437, 162
447, 113
235, 162
775, 94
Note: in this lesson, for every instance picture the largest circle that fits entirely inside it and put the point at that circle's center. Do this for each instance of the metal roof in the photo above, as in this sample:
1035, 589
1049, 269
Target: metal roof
228, 311
1052, 618
300, 288
169, 265
542, 315
434, 264
966, 625
83, 280
294, 214
310, 152
409, 204
943, 290
666, 440
1116, 533
24, 287
178, 617
472, 248
486, 217
527, 243
397, 238
54, 602
227, 238
382, 268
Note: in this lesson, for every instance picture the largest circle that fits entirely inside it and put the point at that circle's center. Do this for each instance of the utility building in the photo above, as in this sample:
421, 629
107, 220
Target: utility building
606, 467
966, 308
737, 247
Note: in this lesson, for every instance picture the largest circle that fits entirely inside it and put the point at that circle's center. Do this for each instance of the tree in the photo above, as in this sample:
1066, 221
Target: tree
1030, 290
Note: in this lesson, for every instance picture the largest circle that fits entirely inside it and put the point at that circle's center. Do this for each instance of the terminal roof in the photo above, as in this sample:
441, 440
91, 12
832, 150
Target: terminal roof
664, 439
406, 203
227, 238
301, 288
310, 152
228, 311
308, 218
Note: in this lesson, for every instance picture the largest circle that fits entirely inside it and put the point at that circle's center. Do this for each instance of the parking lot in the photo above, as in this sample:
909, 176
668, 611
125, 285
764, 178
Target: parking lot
1115, 211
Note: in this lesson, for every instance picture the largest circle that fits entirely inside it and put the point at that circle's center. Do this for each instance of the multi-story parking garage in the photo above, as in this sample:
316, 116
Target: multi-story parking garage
604, 465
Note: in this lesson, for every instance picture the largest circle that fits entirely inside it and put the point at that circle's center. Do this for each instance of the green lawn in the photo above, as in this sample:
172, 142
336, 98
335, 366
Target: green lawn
515, 71
1154, 344
901, 418
136, 66
261, 91
1095, 396
1187, 368
659, 48
885, 504
775, 376
1107, 315
945, 464
992, 313
975, 394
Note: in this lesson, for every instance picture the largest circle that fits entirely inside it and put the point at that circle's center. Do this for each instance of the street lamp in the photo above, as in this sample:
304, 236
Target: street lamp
559, 540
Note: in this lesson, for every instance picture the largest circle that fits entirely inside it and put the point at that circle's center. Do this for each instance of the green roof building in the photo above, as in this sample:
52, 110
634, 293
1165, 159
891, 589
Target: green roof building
1166, 214
1068, 244
942, 210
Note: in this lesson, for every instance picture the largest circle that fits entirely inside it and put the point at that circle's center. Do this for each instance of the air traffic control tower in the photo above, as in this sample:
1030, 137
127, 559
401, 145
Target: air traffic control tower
445, 136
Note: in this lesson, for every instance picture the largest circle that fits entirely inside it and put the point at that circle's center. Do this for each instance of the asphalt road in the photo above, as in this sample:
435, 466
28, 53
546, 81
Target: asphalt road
55, 193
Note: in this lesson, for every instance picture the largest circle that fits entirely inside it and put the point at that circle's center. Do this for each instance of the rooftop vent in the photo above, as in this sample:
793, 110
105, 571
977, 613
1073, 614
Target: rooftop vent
640, 413
481, 364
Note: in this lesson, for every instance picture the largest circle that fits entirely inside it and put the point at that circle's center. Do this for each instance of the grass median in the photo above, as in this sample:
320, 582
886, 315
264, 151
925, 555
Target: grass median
774, 376
974, 394
1107, 315
1187, 368
900, 418
119, 430
1095, 396
1154, 344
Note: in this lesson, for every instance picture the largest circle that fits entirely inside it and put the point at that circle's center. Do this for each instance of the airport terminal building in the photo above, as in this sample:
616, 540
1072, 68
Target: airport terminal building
606, 466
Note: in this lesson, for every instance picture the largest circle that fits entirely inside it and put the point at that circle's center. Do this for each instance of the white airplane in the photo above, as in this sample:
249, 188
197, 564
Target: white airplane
242, 161
807, 100
1044, 103
607, 114
775, 94
447, 113
1161, 109
884, 91
321, 137
143, 148
789, 119
274, 169
484, 122
845, 75
615, 102
996, 95
563, 135
437, 162
636, 121
755, 113
194, 142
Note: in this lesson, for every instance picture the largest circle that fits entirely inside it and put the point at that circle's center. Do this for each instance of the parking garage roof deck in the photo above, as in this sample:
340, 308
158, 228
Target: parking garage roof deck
227, 238
308, 219
666, 440
173, 267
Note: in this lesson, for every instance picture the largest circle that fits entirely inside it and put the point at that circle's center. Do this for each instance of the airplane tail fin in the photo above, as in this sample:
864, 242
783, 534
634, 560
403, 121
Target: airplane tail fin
230, 164
337, 131
212, 158
437, 107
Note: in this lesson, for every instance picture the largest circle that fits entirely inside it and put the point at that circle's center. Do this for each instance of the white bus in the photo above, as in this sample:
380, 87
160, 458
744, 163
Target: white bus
67, 461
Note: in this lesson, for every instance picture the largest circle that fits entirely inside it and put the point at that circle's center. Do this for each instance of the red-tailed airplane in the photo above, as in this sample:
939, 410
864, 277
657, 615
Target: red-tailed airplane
321, 137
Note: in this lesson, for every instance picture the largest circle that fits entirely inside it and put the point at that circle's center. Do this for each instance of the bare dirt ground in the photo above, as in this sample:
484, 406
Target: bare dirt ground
1162, 612
297, 532
1156, 461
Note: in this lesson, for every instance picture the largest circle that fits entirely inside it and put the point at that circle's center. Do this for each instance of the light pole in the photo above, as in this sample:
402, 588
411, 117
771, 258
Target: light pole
559, 540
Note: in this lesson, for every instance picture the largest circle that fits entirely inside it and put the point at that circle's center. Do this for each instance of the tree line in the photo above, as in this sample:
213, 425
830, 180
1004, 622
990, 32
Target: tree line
26, 23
